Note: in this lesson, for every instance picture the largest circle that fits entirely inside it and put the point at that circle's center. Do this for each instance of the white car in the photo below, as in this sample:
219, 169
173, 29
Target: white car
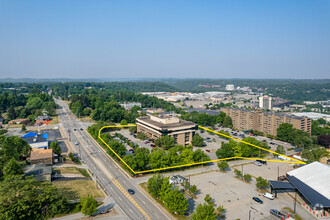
268, 196
256, 163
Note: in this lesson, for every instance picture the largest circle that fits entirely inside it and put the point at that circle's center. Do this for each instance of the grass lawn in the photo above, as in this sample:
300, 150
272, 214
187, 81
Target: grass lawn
72, 170
54, 120
74, 189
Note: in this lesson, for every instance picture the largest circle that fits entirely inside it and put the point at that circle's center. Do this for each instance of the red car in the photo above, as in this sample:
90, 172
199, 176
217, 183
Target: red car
207, 151
152, 145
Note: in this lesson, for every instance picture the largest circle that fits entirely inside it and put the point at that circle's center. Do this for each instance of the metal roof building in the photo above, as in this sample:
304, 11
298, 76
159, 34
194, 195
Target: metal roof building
311, 182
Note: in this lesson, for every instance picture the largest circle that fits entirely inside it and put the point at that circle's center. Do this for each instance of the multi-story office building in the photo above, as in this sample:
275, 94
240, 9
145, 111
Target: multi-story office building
265, 102
155, 126
266, 122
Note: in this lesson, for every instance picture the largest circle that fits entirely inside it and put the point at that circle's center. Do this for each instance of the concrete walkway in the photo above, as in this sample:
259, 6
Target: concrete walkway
108, 203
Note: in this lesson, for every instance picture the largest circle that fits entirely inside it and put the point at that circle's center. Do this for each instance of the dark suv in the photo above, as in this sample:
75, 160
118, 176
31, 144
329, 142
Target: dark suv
262, 161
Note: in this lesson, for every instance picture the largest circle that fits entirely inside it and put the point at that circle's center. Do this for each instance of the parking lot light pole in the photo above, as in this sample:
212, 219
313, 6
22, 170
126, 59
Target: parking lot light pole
242, 170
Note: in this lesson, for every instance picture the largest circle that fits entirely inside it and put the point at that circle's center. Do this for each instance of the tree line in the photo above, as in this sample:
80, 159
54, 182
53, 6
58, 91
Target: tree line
14, 105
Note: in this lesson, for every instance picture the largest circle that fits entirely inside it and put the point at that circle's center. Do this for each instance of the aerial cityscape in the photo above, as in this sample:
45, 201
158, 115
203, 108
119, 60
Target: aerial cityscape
201, 110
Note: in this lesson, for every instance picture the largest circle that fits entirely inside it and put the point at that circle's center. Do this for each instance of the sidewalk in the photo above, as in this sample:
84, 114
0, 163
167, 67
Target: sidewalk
108, 203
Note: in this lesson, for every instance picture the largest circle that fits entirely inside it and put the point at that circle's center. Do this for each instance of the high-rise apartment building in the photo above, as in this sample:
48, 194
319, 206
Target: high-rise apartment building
265, 102
266, 122
230, 87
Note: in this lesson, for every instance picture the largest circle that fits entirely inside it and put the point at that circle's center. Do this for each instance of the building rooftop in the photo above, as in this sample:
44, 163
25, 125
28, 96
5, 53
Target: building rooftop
177, 123
38, 170
32, 137
201, 110
316, 175
41, 154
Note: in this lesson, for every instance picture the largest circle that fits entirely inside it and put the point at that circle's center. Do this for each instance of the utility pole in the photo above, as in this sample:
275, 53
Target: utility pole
295, 202
242, 170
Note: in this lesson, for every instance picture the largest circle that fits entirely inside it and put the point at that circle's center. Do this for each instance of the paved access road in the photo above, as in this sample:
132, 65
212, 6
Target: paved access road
115, 183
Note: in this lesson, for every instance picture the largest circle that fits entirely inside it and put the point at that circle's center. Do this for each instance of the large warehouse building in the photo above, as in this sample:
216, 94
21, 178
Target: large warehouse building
312, 183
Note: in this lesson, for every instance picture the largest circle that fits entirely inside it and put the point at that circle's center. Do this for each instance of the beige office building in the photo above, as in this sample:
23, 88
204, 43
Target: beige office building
155, 126
266, 122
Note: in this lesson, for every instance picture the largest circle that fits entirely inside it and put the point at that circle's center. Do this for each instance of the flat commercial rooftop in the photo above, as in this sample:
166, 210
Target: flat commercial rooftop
170, 126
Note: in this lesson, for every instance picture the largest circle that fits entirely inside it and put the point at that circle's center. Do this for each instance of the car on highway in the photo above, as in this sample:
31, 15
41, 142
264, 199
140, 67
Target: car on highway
256, 163
277, 213
268, 196
130, 191
258, 200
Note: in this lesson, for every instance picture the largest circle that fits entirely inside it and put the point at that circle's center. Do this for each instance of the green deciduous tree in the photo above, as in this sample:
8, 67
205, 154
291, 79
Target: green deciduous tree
285, 132
155, 184
204, 211
123, 122
165, 142
261, 183
193, 189
209, 200
12, 168
226, 150
227, 122
88, 205
237, 172
221, 211
56, 147
175, 201
314, 153
280, 149
223, 165
26, 198
197, 141
247, 177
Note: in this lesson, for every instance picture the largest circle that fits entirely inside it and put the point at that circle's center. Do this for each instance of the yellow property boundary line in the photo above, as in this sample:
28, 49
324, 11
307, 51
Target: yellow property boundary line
186, 165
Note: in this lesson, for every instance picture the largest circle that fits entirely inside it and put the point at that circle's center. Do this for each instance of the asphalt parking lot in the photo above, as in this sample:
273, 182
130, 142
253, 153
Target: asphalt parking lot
55, 135
236, 196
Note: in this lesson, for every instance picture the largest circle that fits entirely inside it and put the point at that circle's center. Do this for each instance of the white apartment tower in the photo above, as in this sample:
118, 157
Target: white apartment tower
230, 87
265, 102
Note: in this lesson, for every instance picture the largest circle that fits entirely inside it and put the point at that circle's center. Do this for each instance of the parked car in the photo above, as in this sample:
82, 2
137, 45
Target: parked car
132, 150
258, 200
130, 191
277, 213
81, 129
74, 129
268, 196
256, 163
207, 151
262, 162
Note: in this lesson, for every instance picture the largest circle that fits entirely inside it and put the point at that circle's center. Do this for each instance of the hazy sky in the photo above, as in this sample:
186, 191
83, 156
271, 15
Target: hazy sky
164, 38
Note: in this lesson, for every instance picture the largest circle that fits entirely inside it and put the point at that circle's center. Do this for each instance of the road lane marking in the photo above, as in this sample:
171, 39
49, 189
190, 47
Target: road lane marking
116, 183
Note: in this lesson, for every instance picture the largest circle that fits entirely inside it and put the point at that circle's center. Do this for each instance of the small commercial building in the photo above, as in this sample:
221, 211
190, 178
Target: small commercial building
155, 126
130, 105
42, 156
36, 141
39, 171
23, 121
